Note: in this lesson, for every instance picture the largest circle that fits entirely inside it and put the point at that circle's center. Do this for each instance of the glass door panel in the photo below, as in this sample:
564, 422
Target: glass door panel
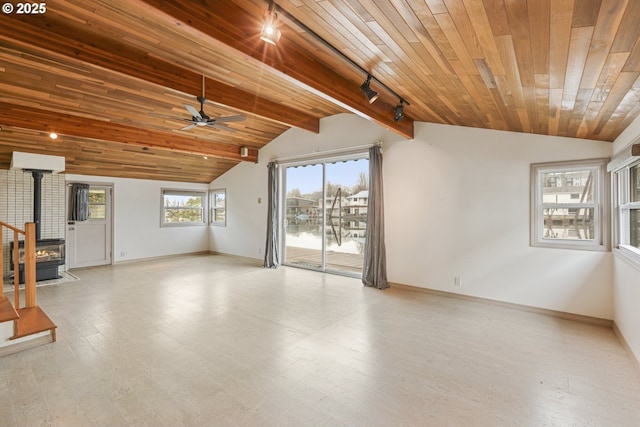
303, 216
347, 188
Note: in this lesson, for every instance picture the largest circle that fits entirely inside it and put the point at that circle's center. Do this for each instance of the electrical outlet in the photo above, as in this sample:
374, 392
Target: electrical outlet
457, 281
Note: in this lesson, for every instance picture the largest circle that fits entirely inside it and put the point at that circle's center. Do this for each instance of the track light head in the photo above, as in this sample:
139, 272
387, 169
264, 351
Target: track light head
371, 94
270, 32
398, 112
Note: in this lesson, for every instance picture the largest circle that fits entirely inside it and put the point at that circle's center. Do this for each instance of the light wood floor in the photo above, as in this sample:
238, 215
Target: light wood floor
219, 341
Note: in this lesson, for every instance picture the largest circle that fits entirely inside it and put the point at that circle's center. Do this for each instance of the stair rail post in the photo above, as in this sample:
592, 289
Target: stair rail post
16, 268
30, 264
1, 255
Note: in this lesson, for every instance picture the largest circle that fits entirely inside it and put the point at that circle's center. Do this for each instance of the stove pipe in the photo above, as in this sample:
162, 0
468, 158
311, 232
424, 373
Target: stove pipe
37, 199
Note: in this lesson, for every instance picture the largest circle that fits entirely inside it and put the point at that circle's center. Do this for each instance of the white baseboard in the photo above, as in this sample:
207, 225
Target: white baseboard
544, 311
626, 346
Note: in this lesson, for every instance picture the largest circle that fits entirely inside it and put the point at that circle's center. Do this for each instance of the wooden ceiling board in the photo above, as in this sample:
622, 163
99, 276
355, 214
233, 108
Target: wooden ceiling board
100, 158
549, 67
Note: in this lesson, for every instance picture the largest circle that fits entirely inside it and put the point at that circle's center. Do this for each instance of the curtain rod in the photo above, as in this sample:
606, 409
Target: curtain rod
356, 149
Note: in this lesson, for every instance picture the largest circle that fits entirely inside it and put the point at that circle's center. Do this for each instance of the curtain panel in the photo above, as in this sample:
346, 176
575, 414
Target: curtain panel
79, 202
374, 270
271, 255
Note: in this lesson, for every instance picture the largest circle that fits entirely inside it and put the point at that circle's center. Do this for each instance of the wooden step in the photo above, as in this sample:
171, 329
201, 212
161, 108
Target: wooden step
7, 312
33, 320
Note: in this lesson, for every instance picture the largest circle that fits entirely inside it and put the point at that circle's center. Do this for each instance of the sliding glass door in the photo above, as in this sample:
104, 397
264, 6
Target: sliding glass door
326, 215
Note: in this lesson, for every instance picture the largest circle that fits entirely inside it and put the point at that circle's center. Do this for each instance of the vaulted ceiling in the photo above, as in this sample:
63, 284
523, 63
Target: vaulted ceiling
106, 74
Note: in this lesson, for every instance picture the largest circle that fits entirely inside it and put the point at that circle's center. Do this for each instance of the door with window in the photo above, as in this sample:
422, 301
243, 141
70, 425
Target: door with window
89, 242
325, 215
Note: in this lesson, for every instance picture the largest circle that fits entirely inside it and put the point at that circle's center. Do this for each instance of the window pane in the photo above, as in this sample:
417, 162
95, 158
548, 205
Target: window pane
175, 215
219, 200
571, 224
97, 196
97, 211
97, 203
183, 207
568, 187
634, 227
219, 215
634, 182
175, 200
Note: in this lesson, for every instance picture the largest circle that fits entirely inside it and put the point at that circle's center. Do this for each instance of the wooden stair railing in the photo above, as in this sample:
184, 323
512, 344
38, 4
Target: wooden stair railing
31, 319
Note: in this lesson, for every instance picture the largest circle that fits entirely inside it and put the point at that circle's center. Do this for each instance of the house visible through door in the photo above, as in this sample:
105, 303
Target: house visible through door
89, 242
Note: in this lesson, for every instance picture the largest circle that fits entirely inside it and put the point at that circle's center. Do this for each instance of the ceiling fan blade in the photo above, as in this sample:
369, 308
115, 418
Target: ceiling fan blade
237, 118
189, 127
194, 113
221, 127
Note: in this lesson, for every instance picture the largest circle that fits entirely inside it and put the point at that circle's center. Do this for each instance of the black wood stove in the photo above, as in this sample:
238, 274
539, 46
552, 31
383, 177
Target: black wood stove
50, 253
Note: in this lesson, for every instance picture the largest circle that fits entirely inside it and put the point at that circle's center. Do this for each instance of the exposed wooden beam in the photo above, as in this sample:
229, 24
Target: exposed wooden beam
48, 121
236, 30
60, 38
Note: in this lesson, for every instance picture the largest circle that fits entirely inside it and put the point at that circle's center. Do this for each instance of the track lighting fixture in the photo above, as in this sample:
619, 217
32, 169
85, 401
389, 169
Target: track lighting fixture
270, 32
371, 94
398, 112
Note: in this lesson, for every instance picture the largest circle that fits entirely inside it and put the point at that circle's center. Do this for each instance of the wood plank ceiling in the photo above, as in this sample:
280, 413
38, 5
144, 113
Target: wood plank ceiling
104, 73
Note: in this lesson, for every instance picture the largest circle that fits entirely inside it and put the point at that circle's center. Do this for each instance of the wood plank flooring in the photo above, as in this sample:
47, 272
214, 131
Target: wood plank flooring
219, 341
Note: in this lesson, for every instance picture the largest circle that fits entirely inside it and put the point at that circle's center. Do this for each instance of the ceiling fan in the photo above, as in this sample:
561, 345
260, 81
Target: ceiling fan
199, 118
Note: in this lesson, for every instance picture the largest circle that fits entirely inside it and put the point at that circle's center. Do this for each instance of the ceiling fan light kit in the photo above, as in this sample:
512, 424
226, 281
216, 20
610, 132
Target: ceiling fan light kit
201, 119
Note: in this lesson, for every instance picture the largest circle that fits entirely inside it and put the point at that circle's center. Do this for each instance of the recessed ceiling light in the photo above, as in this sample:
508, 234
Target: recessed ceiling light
205, 157
53, 135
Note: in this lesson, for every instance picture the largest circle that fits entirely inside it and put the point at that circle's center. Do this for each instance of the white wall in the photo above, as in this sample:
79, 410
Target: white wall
626, 278
136, 215
457, 204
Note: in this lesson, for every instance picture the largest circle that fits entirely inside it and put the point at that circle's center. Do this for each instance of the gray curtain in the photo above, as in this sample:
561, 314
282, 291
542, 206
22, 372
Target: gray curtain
374, 270
271, 259
79, 202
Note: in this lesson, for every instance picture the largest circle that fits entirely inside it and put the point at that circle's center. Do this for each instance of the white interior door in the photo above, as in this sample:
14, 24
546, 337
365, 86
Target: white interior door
89, 242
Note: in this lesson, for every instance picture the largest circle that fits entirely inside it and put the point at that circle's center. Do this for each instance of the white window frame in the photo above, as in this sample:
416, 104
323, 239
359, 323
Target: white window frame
601, 240
622, 206
213, 208
183, 192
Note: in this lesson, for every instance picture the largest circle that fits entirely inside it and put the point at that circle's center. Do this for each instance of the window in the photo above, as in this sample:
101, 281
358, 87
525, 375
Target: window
627, 209
97, 203
218, 203
568, 205
183, 207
